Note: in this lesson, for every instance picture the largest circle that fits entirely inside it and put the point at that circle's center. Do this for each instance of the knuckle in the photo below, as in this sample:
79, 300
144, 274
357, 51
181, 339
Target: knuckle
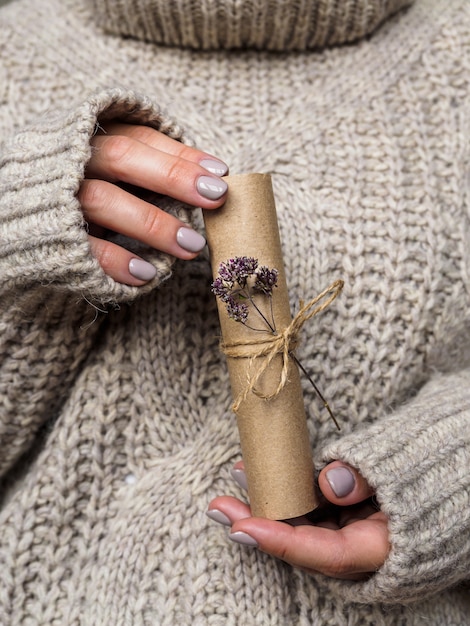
93, 193
144, 134
105, 255
187, 152
174, 174
152, 220
116, 151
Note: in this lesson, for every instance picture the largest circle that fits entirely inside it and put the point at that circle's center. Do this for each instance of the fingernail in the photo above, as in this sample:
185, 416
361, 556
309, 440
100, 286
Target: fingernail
219, 168
244, 539
211, 188
341, 481
141, 269
239, 477
219, 517
190, 240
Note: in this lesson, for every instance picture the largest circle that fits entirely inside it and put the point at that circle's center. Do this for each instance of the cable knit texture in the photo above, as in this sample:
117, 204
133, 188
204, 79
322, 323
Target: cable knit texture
115, 420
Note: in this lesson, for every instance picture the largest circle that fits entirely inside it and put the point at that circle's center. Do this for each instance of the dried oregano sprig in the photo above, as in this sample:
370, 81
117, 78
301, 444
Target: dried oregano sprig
237, 292
241, 281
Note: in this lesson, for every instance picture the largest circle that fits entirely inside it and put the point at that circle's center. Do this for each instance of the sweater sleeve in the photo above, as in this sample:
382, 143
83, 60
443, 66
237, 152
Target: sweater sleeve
53, 293
43, 235
418, 459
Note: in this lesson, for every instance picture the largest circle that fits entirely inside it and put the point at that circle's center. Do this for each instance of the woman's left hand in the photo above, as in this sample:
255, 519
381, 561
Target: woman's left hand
346, 537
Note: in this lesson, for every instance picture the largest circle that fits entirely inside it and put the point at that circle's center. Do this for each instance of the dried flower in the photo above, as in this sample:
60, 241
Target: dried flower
241, 282
238, 270
238, 282
222, 289
266, 280
238, 311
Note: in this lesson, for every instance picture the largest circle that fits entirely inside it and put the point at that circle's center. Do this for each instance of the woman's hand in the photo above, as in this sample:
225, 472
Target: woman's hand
346, 537
142, 157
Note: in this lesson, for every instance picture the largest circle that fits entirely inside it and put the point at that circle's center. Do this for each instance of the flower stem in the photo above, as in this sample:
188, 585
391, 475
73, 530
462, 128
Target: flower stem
317, 391
258, 310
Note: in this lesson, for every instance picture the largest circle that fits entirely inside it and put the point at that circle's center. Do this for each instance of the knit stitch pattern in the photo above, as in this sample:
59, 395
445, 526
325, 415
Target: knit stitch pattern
265, 24
115, 421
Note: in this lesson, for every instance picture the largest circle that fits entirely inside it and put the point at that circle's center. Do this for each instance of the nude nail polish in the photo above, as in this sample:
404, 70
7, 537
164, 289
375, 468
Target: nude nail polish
190, 240
341, 481
239, 477
210, 187
141, 269
219, 168
244, 539
217, 516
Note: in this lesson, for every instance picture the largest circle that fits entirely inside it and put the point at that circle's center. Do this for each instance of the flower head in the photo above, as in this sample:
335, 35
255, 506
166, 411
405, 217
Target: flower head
238, 311
241, 295
266, 280
237, 270
222, 288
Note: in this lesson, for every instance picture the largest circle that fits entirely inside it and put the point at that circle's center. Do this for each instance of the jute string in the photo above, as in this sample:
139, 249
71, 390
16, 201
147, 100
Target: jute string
279, 343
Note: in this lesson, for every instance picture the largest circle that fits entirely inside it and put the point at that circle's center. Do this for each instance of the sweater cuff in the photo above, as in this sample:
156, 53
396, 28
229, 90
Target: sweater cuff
418, 460
42, 230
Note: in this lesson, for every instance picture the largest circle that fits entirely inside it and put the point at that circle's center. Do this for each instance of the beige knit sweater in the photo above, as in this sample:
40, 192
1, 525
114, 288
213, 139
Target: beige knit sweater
115, 420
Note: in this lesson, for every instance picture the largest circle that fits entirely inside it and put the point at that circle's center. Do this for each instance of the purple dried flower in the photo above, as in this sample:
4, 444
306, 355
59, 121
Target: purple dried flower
233, 288
266, 280
222, 289
238, 311
225, 273
237, 270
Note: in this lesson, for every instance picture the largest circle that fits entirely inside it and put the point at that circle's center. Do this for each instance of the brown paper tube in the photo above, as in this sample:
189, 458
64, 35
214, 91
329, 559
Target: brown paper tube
273, 432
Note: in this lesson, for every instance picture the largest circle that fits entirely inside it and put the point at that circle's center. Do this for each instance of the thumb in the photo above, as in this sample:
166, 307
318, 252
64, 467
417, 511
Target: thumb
344, 485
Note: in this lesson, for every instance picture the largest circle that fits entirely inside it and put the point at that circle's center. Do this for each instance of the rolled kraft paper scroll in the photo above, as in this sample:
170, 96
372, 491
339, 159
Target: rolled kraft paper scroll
273, 432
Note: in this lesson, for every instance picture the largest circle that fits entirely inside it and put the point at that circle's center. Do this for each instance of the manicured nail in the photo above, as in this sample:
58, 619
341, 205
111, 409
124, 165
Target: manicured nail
190, 240
219, 517
211, 188
341, 481
244, 539
141, 269
239, 477
214, 167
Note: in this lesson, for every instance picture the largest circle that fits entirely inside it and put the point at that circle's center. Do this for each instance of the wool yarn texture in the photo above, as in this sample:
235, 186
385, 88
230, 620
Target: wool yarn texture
116, 427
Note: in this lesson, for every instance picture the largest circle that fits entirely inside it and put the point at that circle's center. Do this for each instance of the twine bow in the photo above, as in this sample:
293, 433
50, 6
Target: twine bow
280, 343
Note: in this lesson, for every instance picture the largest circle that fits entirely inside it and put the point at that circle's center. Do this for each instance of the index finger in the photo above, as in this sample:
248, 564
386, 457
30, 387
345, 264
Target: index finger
119, 158
160, 141
359, 548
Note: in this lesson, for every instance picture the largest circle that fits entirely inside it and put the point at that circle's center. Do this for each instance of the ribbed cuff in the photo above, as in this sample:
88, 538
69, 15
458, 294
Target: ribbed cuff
418, 461
43, 236
270, 25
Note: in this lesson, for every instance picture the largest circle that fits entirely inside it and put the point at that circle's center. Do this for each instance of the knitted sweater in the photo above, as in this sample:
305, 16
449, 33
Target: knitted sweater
115, 420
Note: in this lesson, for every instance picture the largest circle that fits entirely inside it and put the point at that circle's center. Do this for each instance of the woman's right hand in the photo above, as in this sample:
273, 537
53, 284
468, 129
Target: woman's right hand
145, 158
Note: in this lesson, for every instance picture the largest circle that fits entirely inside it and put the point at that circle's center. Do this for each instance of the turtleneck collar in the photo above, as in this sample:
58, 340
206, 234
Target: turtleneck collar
260, 24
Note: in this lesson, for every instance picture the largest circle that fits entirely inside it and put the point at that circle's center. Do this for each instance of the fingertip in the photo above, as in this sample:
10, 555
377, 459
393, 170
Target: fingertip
142, 270
270, 536
214, 166
218, 516
343, 485
230, 507
120, 265
341, 481
239, 476
190, 240
244, 539
211, 188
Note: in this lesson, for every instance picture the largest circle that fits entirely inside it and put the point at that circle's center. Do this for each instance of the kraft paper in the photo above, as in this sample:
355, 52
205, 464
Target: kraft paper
273, 432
